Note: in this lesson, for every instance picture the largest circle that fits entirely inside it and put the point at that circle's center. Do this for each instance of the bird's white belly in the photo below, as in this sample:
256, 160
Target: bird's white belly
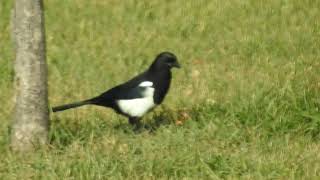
138, 107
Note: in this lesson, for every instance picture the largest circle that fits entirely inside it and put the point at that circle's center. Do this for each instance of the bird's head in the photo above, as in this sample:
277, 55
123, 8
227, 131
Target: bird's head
165, 60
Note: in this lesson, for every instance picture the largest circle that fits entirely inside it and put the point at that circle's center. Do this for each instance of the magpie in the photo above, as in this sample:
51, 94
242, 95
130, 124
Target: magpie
139, 95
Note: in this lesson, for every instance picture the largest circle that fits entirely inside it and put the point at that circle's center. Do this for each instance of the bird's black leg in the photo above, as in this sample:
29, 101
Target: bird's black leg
135, 122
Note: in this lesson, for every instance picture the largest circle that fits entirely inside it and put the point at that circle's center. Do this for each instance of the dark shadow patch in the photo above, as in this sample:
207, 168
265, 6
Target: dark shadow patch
164, 117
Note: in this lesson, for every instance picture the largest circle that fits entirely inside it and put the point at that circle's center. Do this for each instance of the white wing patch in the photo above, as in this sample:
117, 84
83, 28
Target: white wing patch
146, 84
139, 106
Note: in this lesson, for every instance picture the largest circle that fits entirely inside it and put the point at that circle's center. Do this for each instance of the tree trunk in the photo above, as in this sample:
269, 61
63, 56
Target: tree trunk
31, 114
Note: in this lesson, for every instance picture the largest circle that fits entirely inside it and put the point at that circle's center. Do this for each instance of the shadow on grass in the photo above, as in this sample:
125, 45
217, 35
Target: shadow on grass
162, 118
65, 131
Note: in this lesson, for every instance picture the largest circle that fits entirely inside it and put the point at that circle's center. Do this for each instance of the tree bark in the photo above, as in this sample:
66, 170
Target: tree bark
31, 114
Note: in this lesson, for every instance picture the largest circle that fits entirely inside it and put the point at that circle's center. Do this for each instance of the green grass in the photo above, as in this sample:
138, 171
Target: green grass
247, 99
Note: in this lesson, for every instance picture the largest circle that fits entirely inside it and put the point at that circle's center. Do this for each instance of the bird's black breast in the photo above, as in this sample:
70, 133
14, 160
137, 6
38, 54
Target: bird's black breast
161, 82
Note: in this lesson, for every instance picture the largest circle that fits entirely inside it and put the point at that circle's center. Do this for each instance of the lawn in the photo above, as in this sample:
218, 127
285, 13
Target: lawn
245, 105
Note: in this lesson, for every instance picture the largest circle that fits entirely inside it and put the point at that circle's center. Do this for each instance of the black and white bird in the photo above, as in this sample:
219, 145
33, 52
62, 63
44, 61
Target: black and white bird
139, 95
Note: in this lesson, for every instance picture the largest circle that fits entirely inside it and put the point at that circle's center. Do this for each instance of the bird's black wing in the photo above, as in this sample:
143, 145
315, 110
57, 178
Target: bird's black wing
127, 90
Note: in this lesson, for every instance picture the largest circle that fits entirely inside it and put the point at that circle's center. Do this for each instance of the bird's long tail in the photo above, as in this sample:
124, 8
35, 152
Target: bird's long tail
72, 105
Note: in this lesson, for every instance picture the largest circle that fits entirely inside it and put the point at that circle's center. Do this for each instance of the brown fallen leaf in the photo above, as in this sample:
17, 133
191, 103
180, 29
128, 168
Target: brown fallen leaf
179, 123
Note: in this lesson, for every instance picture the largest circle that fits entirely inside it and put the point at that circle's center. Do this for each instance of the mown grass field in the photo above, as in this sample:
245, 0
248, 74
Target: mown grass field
244, 106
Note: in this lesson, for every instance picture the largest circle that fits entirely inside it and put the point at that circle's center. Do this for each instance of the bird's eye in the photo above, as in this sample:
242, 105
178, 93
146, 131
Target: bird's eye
170, 60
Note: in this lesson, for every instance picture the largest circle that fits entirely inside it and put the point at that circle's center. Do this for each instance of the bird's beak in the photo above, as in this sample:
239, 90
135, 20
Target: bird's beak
176, 64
